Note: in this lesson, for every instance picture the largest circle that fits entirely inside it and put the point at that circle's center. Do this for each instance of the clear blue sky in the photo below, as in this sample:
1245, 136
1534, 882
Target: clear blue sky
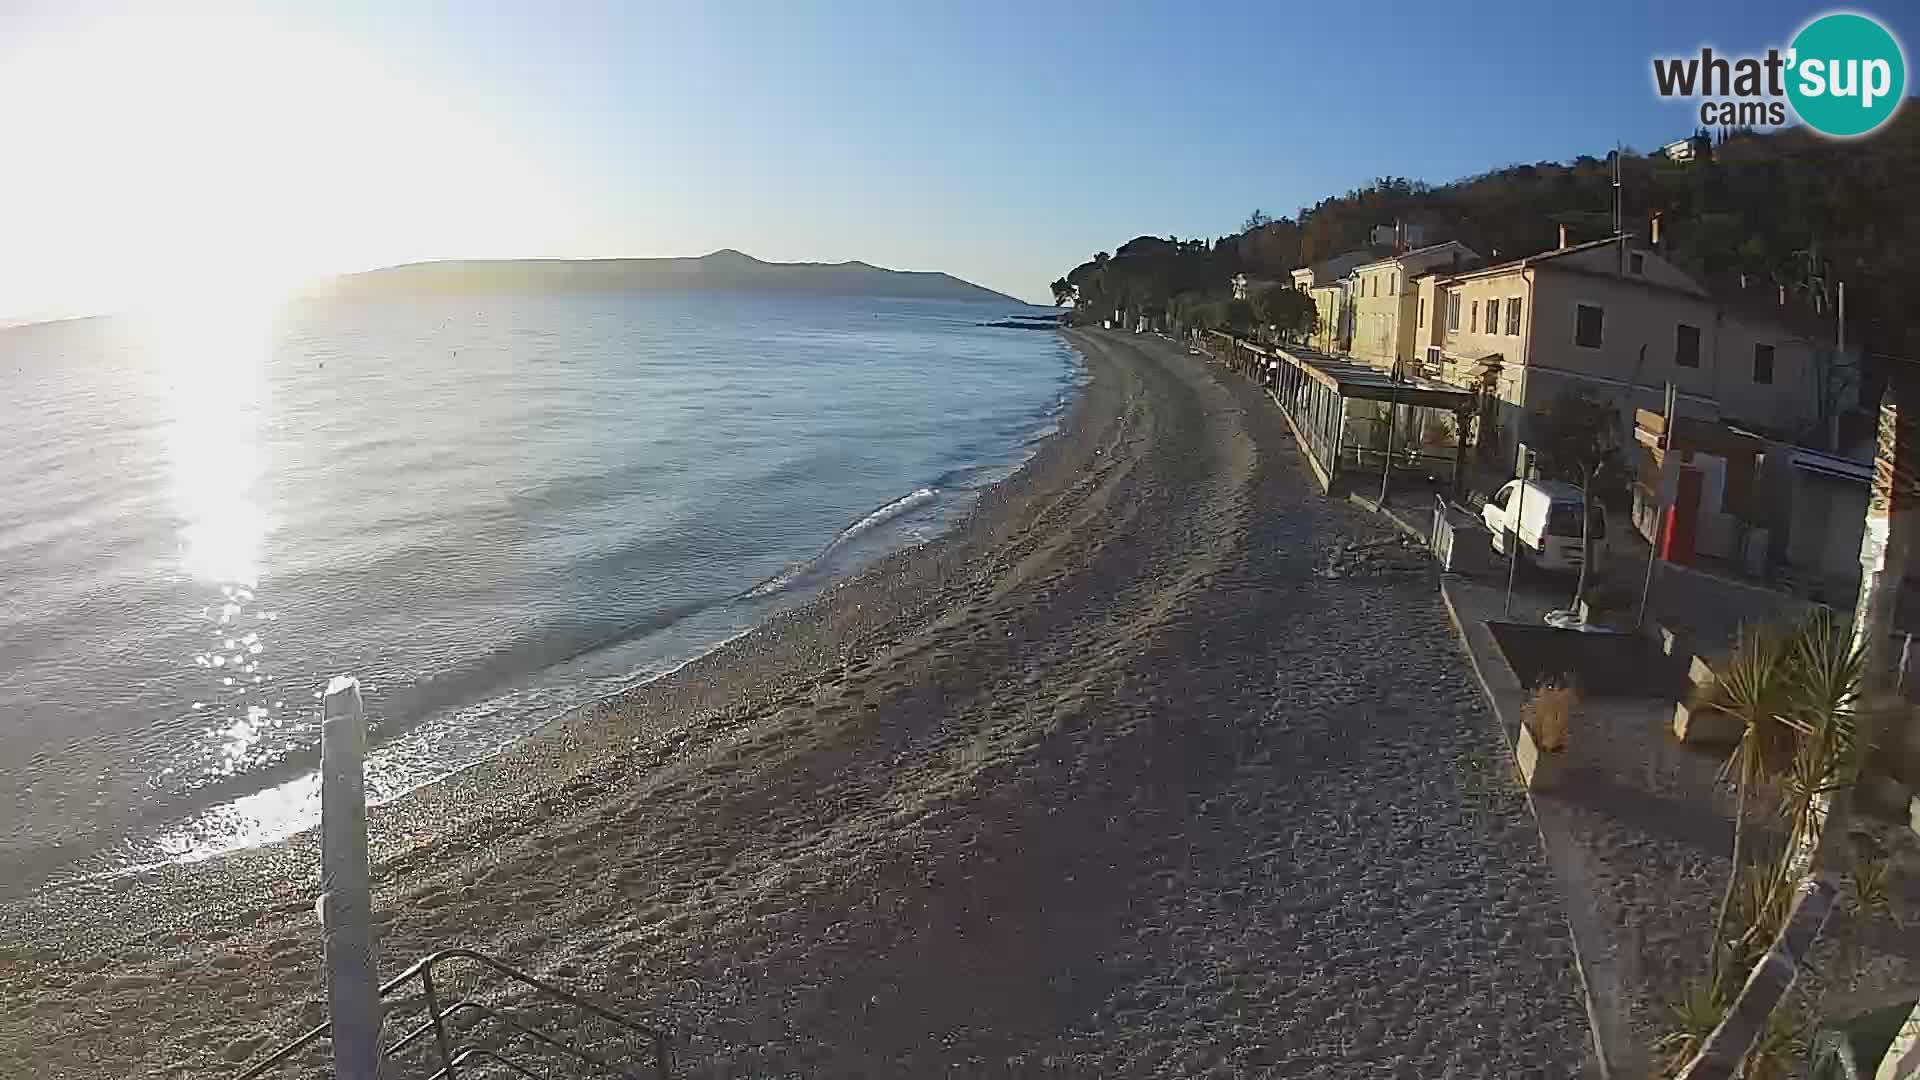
1000, 142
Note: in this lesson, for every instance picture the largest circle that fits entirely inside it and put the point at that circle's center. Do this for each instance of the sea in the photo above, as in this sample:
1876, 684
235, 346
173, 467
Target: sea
488, 509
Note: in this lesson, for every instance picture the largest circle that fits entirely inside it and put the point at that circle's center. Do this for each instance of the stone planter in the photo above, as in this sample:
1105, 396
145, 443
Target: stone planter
1540, 770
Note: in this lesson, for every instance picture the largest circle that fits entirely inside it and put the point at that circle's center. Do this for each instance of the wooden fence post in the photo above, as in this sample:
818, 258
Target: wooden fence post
346, 890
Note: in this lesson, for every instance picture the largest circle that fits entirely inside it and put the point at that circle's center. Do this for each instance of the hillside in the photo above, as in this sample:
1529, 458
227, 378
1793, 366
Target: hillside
1785, 208
725, 270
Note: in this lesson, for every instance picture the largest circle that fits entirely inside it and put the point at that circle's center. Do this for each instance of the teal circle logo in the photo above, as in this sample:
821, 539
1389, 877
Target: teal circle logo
1846, 74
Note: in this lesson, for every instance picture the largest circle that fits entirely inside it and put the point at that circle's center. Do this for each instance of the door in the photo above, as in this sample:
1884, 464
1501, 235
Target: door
1495, 514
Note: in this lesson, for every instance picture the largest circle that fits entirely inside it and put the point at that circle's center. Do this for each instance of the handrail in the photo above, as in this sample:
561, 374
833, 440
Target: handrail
436, 1022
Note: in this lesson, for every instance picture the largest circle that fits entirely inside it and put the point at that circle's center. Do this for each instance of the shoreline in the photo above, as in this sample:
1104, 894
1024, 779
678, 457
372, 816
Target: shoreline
1065, 788
553, 747
811, 578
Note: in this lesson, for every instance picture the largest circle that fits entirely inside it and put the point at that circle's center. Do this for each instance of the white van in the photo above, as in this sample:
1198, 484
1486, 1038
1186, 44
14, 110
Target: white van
1548, 525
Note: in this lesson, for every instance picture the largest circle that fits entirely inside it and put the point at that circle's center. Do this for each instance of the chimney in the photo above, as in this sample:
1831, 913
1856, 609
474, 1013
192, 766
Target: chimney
1653, 233
1563, 237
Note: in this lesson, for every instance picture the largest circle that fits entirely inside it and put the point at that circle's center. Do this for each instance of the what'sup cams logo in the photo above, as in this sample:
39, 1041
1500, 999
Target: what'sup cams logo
1844, 75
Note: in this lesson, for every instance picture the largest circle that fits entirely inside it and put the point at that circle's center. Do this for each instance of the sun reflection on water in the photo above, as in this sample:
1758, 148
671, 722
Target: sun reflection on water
208, 364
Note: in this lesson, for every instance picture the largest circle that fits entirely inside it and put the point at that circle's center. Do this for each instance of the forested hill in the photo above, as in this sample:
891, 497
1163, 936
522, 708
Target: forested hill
722, 270
1784, 208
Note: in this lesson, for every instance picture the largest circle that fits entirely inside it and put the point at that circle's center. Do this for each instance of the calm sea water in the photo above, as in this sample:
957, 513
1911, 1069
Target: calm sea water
488, 509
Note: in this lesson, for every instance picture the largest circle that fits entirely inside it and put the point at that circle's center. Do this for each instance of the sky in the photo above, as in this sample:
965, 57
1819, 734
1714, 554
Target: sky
152, 150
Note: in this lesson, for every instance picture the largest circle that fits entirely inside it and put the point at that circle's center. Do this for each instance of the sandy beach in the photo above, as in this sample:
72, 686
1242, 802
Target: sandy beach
1112, 780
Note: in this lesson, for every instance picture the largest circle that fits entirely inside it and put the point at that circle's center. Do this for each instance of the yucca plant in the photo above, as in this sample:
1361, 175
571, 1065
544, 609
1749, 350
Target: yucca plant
1828, 670
1756, 689
1693, 1018
1872, 893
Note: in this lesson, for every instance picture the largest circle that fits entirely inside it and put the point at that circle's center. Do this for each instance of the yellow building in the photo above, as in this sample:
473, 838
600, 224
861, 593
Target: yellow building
1326, 283
1382, 301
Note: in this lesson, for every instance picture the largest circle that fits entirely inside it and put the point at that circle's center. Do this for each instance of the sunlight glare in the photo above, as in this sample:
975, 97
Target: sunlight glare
207, 361
206, 152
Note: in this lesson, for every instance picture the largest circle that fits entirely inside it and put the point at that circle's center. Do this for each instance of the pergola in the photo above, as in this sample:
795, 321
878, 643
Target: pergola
1326, 399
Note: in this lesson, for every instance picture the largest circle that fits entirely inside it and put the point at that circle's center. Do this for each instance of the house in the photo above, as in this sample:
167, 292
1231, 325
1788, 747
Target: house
1333, 329
1695, 147
1246, 288
1329, 271
1383, 301
1325, 282
1615, 320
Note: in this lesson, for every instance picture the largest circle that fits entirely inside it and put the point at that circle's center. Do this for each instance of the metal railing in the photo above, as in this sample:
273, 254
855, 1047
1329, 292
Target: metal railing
448, 1033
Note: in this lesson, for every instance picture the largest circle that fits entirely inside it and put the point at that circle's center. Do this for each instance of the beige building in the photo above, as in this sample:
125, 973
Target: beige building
1331, 271
1326, 283
1618, 322
1383, 302
1331, 330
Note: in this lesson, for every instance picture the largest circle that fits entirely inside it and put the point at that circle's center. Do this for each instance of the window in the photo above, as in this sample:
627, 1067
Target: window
1392, 280
1453, 311
1493, 316
1686, 346
1500, 500
1473, 317
1589, 325
1763, 364
1513, 317
1423, 312
1637, 263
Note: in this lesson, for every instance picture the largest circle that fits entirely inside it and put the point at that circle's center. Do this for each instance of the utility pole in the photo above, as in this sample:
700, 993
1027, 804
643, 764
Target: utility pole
1619, 224
1830, 393
1393, 409
1667, 467
1513, 530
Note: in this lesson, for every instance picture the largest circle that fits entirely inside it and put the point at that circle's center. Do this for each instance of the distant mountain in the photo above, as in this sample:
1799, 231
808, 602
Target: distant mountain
725, 270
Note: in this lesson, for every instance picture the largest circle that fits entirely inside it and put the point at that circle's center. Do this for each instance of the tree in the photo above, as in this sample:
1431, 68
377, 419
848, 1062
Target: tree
1287, 310
1256, 221
1577, 437
1796, 690
1063, 292
1239, 316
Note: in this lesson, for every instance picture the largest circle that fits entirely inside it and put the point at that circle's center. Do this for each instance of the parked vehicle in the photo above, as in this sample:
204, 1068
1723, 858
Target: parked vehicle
1545, 516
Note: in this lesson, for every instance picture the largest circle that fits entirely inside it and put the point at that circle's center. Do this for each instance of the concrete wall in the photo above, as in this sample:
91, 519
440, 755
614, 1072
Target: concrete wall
1790, 404
1829, 516
1636, 357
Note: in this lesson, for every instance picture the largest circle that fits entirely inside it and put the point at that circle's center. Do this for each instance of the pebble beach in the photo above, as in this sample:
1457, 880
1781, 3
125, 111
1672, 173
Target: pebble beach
1114, 779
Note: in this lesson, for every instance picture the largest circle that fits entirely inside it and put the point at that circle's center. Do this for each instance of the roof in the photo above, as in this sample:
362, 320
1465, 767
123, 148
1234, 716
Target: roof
1815, 461
1353, 380
1759, 302
1511, 265
1429, 249
1556, 490
1336, 265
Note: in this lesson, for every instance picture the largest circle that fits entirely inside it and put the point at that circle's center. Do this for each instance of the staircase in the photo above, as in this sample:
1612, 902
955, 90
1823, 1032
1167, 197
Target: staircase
460, 1013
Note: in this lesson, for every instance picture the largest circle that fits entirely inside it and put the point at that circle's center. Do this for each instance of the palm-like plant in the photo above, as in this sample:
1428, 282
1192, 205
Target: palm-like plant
1828, 671
1756, 689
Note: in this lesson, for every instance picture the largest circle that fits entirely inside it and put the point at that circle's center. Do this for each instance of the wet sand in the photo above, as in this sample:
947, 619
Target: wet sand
1109, 781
